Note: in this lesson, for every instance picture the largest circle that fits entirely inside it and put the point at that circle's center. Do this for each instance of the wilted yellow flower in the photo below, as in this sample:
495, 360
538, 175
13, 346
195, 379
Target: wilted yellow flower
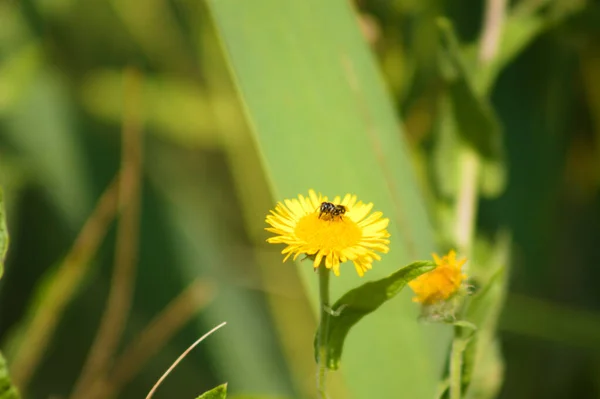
440, 283
350, 236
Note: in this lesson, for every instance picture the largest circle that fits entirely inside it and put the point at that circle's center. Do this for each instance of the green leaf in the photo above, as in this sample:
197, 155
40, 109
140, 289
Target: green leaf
43, 119
321, 117
465, 324
203, 243
474, 349
522, 26
250, 396
477, 122
483, 310
3, 234
475, 119
361, 301
219, 392
7, 390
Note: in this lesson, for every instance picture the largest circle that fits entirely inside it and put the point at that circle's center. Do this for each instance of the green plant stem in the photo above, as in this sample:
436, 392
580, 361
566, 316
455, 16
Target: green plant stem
323, 326
456, 360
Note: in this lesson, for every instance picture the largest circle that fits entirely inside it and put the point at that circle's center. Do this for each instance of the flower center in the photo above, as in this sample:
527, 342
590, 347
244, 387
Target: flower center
335, 234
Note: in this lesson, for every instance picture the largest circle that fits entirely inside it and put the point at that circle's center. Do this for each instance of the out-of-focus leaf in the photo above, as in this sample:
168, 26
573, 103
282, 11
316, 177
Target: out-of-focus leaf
361, 301
489, 374
219, 392
322, 118
475, 334
492, 180
3, 234
7, 389
172, 108
445, 161
522, 26
483, 310
474, 116
16, 73
41, 127
475, 119
208, 245
552, 322
465, 324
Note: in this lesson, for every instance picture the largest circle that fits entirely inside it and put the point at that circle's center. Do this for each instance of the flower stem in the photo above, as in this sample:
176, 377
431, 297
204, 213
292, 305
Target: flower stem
323, 326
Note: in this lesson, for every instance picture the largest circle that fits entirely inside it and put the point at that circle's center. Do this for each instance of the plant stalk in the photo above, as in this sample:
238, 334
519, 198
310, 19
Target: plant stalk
323, 327
456, 363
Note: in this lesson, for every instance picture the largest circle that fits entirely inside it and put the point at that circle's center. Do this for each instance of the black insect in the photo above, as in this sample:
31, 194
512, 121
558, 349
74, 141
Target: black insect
331, 210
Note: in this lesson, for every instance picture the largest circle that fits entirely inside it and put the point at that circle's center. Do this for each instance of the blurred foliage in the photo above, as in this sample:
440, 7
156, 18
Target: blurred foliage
215, 159
7, 389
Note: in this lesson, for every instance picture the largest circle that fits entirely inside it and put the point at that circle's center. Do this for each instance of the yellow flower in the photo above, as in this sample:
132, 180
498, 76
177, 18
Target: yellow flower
352, 236
440, 283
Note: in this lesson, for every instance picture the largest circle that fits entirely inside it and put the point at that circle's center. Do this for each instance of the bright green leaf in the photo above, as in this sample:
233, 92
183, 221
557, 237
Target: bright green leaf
243, 396
361, 301
219, 392
321, 118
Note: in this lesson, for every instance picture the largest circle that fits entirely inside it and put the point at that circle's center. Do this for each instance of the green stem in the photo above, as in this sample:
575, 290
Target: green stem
323, 326
456, 358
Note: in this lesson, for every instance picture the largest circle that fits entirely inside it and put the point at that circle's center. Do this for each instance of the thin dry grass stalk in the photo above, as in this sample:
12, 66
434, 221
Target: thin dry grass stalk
123, 279
179, 312
65, 283
180, 358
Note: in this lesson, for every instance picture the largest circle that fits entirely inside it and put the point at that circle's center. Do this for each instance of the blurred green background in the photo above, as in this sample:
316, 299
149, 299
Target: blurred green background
86, 86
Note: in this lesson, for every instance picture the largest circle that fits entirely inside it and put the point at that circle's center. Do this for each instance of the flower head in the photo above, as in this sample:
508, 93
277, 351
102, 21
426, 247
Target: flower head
302, 225
442, 282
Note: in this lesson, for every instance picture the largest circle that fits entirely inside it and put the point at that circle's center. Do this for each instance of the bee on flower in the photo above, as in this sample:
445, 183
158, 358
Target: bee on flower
441, 290
329, 232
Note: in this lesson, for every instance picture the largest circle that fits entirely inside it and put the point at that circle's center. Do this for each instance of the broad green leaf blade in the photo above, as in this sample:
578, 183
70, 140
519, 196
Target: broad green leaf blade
361, 301
219, 392
7, 390
321, 118
3, 234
